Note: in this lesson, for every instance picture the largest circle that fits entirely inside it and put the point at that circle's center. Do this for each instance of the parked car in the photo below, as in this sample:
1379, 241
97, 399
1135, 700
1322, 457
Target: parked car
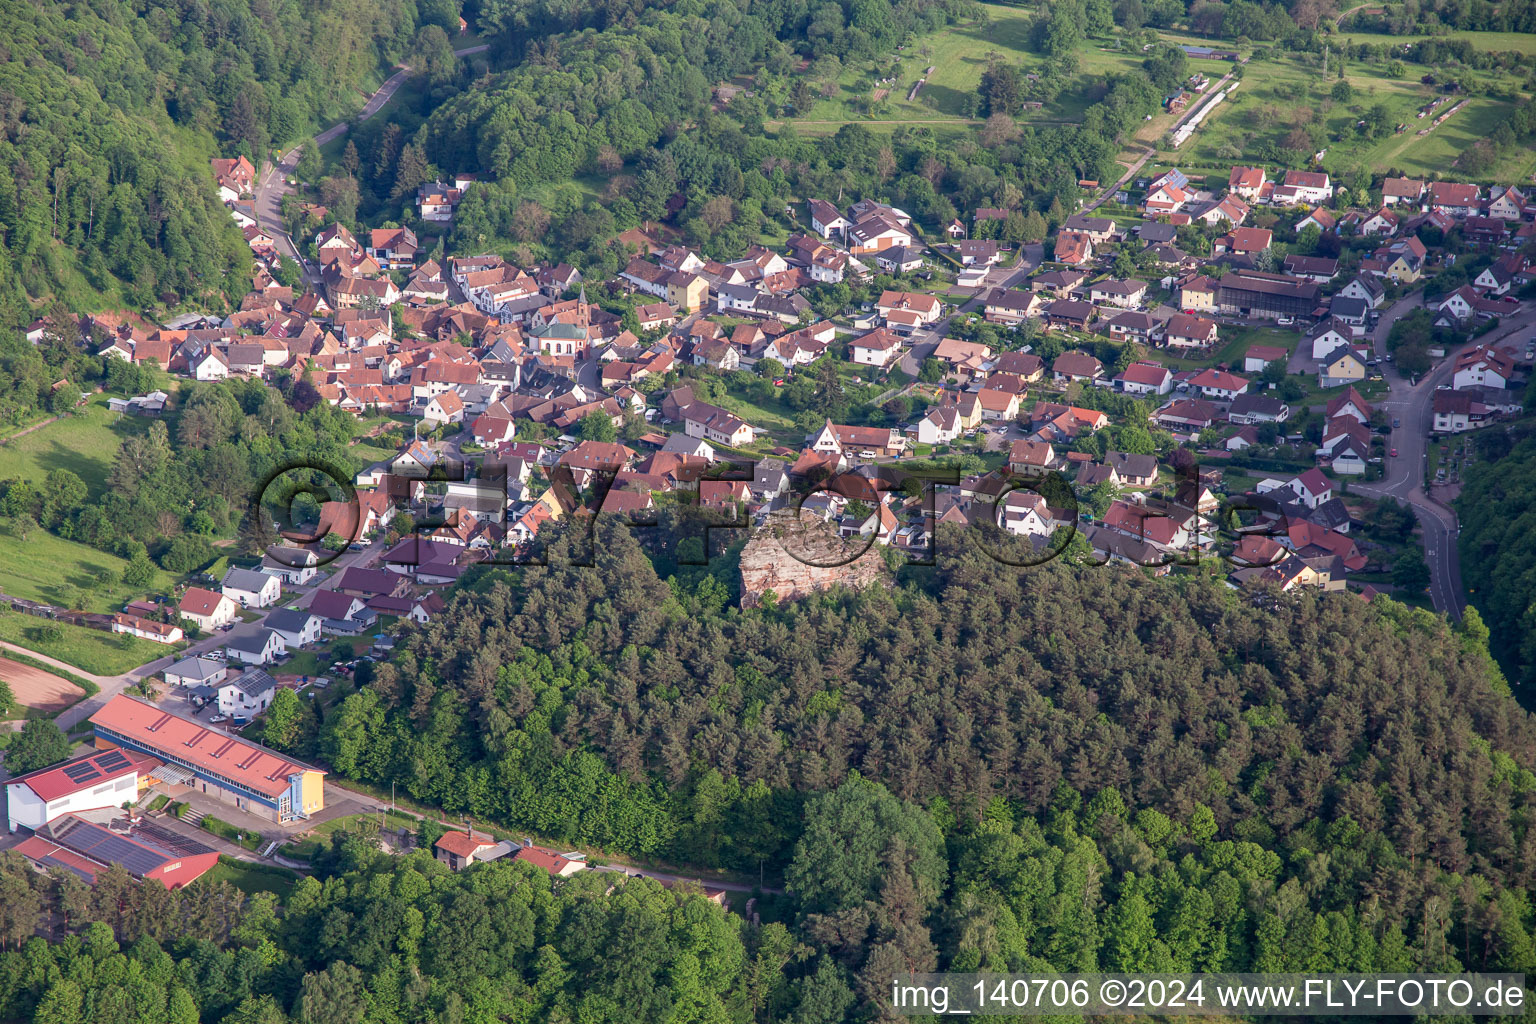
867, 454
1394, 453
1285, 321
216, 719
1396, 422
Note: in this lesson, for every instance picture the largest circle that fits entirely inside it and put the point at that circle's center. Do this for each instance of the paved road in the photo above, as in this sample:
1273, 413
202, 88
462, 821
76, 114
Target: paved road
272, 184
1151, 151
924, 343
1413, 405
110, 686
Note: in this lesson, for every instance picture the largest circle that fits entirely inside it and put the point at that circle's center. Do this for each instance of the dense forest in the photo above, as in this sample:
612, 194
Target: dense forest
1064, 766
390, 940
110, 111
177, 483
1497, 510
630, 103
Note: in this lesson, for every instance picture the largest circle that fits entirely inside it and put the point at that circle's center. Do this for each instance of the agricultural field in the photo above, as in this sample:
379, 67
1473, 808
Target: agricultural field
84, 443
1493, 42
1279, 94
51, 569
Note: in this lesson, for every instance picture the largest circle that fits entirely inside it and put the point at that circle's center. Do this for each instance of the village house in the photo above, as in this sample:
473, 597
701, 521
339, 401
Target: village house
1073, 248
146, 629
263, 648
1247, 182
1218, 384
206, 609
1167, 193
1073, 366
1483, 366
1134, 325
1244, 241
879, 347
1407, 191
245, 695
1249, 408
1069, 314
1126, 294
1012, 307
1313, 268
1304, 187
1260, 356
1145, 379
940, 425
1341, 366
908, 310
1452, 412
251, 588
837, 439
1455, 199
1033, 458
1199, 294
1187, 331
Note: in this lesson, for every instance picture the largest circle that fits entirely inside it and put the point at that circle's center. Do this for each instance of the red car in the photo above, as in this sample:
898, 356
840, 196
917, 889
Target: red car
1394, 453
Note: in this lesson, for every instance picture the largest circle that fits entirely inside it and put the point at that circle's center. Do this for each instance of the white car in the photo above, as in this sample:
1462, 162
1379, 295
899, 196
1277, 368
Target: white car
216, 719
867, 454
1285, 321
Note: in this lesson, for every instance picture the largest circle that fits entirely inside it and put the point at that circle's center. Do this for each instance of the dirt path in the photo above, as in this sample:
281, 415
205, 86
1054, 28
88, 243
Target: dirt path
27, 430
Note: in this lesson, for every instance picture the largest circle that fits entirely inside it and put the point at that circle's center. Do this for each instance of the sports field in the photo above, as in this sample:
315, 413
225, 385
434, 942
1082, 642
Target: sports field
37, 689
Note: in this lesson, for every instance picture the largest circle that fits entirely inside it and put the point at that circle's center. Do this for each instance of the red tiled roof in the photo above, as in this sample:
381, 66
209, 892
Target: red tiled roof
197, 601
549, 860
182, 739
82, 773
463, 844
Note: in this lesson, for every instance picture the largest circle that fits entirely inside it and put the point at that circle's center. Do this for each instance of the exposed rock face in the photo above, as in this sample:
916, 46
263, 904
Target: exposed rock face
795, 557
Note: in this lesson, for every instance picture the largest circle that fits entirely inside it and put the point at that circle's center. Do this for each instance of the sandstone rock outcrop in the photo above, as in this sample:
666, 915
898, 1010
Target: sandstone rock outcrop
795, 556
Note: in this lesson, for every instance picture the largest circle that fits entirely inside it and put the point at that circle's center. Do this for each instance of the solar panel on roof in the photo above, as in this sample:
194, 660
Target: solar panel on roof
113, 760
181, 845
107, 847
81, 771
51, 861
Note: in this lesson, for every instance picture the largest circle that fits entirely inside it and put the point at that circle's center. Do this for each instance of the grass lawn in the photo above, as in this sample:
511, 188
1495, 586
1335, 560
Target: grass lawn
58, 571
311, 663
1495, 42
306, 848
224, 830
364, 455
760, 416
1238, 341
85, 443
253, 878
97, 652
1276, 91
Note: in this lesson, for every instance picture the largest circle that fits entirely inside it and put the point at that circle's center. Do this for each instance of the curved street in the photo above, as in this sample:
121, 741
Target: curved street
1413, 405
272, 183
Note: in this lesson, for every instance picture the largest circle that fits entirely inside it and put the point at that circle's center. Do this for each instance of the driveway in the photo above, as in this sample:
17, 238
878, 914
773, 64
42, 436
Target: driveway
1413, 405
922, 344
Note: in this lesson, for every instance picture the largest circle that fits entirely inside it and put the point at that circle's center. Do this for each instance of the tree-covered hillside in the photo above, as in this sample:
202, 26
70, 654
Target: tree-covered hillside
1497, 510
110, 111
1066, 765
